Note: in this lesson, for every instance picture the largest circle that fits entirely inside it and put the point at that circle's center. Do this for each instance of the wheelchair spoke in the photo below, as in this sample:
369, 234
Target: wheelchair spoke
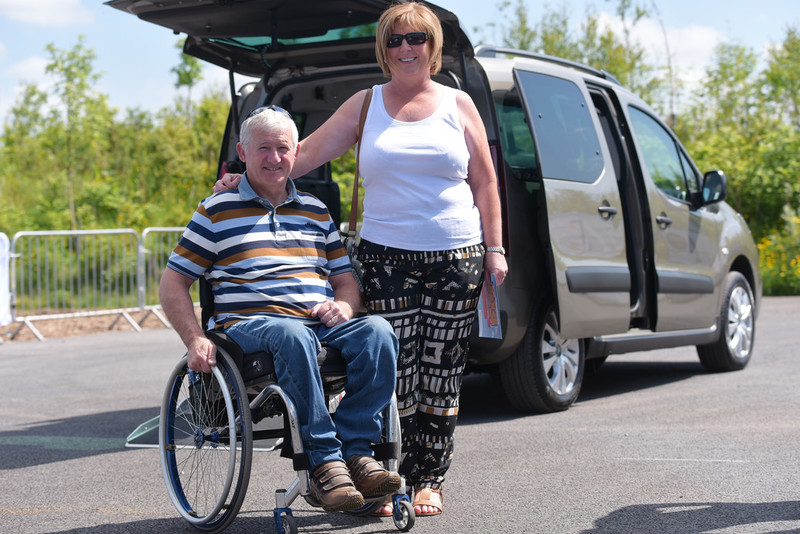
204, 469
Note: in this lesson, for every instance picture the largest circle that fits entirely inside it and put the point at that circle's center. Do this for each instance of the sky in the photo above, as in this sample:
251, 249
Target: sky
135, 58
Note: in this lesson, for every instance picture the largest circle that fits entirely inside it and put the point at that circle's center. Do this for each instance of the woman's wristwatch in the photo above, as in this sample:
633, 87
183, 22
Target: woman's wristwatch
499, 250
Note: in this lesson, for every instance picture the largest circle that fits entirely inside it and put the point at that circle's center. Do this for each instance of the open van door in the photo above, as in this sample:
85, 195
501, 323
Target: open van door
258, 37
584, 210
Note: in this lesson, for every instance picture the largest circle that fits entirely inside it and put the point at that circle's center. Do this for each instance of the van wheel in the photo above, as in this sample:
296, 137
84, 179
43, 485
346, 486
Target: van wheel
545, 373
732, 350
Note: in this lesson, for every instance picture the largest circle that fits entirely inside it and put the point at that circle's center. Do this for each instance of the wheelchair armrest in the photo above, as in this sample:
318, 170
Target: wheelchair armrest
253, 365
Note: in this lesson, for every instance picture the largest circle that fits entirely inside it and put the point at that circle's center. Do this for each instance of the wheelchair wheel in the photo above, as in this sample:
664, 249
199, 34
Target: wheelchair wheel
205, 443
404, 518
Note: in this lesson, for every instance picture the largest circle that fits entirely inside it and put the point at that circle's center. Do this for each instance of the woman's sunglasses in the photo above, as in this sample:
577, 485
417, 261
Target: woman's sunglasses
270, 108
413, 38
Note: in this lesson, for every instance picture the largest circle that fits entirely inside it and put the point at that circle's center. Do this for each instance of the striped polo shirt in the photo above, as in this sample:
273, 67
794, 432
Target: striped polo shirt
260, 260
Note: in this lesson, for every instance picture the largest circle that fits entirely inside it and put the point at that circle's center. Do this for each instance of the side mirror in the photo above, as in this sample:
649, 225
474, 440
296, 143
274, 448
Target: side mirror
715, 187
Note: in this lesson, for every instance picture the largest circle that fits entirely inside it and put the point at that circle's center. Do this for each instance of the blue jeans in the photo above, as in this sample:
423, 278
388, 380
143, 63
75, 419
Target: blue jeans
369, 347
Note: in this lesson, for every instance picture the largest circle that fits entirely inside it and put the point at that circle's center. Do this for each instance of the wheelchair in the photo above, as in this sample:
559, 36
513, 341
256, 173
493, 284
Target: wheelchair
209, 423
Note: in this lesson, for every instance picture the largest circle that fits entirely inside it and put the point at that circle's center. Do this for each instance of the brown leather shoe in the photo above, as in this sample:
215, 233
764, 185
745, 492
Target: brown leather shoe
332, 487
370, 478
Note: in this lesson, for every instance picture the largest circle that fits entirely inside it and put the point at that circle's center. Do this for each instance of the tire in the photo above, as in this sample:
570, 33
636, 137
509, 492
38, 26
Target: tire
732, 350
407, 517
205, 443
545, 373
288, 524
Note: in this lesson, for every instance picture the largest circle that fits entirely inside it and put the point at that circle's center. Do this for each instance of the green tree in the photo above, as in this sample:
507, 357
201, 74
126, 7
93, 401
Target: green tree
24, 164
189, 73
729, 126
782, 77
597, 46
80, 119
518, 35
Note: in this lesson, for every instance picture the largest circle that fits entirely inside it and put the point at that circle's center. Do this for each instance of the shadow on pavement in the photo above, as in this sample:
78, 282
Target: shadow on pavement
615, 378
483, 399
66, 439
719, 517
251, 522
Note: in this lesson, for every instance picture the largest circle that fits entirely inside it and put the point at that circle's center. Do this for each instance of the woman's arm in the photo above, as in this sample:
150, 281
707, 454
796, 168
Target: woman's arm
332, 139
483, 182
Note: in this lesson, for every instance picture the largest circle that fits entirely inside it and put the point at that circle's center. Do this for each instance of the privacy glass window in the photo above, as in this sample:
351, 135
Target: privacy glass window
519, 152
661, 155
569, 148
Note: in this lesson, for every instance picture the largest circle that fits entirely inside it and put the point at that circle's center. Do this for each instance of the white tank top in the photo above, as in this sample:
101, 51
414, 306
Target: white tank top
414, 175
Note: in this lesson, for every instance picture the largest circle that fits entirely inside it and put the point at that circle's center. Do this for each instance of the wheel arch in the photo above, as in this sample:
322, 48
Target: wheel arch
743, 265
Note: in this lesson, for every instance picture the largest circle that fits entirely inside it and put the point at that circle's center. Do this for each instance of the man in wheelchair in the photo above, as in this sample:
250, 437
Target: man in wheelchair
282, 282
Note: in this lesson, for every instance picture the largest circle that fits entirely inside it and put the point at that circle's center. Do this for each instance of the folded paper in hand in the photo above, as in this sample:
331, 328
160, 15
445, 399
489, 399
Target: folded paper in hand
488, 312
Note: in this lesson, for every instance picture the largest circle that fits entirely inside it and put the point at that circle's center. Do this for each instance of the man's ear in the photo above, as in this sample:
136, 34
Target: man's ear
240, 151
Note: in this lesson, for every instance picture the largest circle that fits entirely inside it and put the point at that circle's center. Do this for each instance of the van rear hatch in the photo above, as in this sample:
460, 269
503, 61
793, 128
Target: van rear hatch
257, 37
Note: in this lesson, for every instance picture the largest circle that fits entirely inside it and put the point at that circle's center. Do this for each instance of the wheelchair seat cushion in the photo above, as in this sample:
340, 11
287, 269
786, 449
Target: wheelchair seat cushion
330, 361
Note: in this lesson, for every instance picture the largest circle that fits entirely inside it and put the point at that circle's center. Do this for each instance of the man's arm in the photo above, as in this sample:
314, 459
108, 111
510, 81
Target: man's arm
177, 304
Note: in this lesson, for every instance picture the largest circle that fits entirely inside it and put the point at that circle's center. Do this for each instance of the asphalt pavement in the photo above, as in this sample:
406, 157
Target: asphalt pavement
653, 445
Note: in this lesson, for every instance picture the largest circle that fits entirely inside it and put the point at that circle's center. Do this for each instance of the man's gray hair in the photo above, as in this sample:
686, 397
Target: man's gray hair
271, 121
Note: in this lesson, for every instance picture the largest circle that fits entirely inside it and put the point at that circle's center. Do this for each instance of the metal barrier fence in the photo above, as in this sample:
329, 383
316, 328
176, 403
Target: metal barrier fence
85, 273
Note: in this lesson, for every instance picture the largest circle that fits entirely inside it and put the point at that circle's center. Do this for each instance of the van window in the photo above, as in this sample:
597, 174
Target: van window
668, 167
568, 145
517, 141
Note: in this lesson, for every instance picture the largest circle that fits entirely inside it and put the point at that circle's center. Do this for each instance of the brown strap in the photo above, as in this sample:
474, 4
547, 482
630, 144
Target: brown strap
351, 230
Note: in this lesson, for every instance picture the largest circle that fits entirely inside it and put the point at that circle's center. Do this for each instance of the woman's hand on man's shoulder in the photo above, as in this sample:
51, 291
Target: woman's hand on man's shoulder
228, 181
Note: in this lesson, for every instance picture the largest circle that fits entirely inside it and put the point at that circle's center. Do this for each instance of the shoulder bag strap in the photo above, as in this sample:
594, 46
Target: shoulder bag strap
351, 230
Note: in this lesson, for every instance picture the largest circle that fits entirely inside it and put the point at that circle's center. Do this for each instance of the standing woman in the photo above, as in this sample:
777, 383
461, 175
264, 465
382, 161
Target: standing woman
431, 230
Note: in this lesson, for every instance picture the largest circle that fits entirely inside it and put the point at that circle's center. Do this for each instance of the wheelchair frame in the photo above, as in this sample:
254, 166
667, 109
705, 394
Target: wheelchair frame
206, 437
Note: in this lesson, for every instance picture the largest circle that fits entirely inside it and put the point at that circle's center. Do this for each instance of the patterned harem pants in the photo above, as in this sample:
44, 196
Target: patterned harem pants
430, 299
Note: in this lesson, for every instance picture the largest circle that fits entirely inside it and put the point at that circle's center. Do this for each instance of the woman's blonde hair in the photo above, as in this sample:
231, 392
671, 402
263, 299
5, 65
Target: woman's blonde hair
414, 15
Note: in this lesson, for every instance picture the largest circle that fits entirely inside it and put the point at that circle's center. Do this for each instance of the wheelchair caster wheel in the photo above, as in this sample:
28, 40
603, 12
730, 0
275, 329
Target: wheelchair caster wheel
288, 524
404, 516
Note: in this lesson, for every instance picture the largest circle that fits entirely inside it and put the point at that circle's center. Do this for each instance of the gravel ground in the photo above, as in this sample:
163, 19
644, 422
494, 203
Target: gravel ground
81, 326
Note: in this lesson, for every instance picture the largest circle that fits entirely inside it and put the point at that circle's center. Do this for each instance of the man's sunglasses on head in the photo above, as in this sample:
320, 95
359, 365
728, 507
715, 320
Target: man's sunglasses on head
262, 109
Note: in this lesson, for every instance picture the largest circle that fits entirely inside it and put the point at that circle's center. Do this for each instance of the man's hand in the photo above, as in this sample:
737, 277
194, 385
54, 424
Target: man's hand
202, 355
332, 313
228, 181
346, 300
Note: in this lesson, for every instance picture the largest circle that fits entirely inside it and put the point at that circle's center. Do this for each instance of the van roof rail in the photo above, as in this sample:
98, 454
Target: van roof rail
492, 51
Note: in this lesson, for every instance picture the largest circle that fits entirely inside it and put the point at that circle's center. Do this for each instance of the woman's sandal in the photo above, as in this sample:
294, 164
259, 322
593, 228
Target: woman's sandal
428, 497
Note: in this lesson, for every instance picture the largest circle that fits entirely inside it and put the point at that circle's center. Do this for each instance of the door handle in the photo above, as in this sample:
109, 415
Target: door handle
663, 221
607, 212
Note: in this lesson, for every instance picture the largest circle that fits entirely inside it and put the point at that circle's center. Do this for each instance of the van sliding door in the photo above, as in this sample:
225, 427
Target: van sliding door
584, 211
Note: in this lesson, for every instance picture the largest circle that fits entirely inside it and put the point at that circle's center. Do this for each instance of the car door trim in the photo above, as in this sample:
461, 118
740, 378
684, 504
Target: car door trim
684, 283
597, 279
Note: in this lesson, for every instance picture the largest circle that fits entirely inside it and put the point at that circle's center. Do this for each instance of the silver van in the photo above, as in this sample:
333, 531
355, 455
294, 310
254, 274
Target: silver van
616, 241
